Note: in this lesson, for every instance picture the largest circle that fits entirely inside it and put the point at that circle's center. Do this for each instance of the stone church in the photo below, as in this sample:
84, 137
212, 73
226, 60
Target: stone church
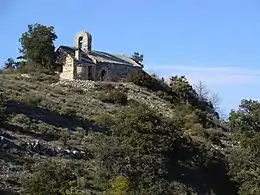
81, 62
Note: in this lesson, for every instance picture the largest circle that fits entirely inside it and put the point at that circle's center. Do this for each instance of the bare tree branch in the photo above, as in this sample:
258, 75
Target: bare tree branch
205, 94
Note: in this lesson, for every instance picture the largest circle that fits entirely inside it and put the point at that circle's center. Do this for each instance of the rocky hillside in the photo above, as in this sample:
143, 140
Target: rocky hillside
84, 137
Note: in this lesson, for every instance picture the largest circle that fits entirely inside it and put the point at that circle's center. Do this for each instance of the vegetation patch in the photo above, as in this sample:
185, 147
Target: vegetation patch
114, 97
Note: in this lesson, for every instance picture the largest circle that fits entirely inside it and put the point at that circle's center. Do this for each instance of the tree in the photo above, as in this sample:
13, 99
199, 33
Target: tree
10, 64
201, 90
244, 159
181, 86
205, 94
37, 45
247, 117
138, 57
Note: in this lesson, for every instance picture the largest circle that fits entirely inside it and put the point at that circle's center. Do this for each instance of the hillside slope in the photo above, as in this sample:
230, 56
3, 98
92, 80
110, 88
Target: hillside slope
84, 137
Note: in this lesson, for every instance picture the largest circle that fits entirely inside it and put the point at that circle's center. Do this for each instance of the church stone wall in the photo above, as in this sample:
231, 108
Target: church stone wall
113, 72
81, 72
108, 71
68, 71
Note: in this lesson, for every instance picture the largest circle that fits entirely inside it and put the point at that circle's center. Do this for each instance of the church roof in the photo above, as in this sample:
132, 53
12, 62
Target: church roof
99, 56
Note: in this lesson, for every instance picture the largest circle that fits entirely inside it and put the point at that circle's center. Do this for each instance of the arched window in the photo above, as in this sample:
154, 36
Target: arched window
80, 42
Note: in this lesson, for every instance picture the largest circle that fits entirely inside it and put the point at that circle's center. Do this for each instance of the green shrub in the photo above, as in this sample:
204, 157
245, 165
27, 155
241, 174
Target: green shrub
143, 79
214, 135
49, 178
139, 78
118, 186
33, 99
145, 138
181, 91
180, 188
43, 128
80, 134
33, 68
166, 96
68, 111
115, 97
105, 87
20, 119
198, 130
65, 136
77, 90
42, 77
37, 73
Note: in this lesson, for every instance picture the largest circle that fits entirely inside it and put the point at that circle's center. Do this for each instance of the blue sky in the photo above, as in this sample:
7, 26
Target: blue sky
216, 41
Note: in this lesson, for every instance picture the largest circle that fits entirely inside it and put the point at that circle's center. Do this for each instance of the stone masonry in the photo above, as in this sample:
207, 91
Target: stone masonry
81, 62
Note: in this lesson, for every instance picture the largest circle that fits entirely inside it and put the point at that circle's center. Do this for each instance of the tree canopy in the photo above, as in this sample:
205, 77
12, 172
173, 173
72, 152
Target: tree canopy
245, 159
37, 45
138, 57
10, 64
247, 117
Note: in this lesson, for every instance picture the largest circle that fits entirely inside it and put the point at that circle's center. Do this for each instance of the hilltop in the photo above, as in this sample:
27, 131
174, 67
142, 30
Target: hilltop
136, 136
87, 137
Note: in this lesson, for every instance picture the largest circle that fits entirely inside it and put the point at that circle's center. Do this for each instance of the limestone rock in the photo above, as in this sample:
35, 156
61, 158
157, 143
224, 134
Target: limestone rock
42, 148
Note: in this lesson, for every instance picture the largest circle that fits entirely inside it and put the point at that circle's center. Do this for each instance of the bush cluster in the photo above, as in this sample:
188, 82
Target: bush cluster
145, 146
50, 178
115, 97
143, 79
